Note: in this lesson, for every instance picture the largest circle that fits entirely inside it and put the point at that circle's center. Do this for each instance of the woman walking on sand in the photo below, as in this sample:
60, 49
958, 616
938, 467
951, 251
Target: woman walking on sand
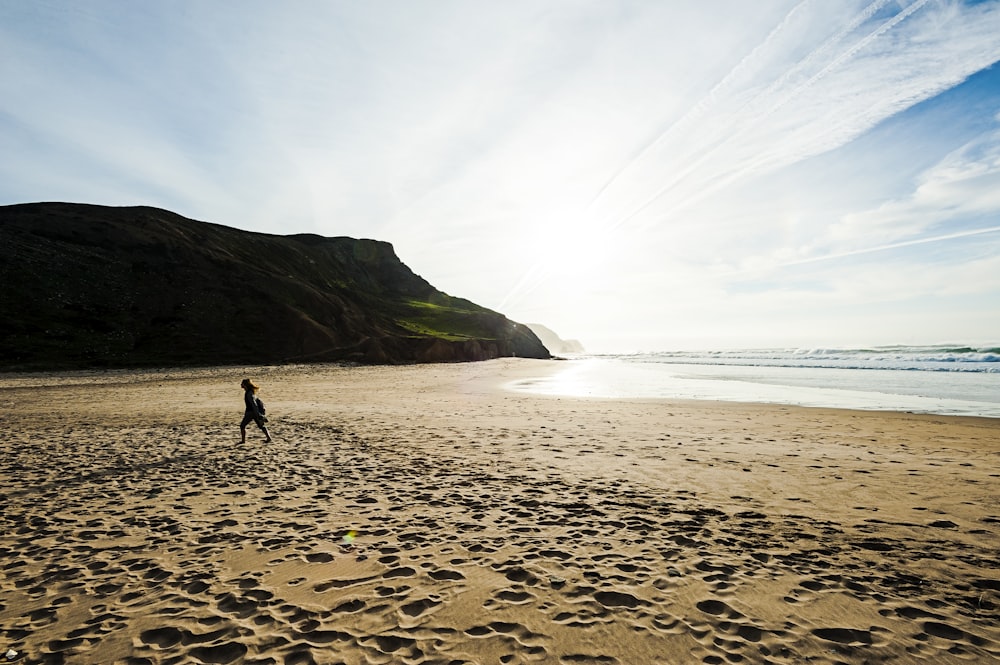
252, 411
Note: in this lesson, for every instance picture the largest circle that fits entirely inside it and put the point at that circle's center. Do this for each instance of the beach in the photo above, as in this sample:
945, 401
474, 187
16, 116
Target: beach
425, 514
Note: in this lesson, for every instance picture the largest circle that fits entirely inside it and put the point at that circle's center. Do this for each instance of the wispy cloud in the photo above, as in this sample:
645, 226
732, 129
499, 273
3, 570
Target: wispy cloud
964, 186
958, 198
773, 110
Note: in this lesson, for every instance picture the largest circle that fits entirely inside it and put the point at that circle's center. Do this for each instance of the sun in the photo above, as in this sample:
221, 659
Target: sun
564, 261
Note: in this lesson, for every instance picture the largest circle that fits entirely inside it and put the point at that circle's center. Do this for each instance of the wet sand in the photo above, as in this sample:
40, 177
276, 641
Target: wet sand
424, 515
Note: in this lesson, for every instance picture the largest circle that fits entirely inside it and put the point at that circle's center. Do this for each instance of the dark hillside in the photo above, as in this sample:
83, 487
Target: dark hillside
95, 286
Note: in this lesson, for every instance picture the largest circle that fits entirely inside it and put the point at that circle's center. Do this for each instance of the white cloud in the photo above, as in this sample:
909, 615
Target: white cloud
965, 185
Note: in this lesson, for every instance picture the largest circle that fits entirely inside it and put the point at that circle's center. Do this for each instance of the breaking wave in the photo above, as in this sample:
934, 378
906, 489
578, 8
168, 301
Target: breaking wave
941, 358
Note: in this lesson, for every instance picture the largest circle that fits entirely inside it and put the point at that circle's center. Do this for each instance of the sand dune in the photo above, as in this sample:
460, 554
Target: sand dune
422, 515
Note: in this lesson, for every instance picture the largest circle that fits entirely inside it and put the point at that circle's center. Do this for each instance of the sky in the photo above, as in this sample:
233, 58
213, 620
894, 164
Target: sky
639, 175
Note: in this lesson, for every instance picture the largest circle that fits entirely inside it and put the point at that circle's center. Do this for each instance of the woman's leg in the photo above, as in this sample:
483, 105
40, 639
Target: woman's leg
263, 428
243, 427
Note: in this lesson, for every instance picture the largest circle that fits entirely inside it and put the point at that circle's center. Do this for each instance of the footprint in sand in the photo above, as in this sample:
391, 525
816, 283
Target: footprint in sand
161, 638
617, 599
669, 624
507, 597
402, 649
718, 608
848, 636
350, 606
319, 557
401, 571
228, 652
446, 575
586, 659
419, 607
514, 636
515, 597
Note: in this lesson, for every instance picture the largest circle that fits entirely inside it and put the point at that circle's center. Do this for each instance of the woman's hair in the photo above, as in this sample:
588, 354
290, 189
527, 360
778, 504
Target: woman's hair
247, 383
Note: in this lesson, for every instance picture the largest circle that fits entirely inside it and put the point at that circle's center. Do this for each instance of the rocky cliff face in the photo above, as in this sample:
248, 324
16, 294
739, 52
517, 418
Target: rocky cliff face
553, 342
94, 286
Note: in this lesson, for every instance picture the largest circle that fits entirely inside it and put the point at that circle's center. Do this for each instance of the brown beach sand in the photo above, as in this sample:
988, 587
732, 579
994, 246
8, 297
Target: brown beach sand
489, 527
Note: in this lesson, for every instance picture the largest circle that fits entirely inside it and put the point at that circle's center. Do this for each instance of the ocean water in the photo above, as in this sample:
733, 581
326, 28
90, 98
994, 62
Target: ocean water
946, 380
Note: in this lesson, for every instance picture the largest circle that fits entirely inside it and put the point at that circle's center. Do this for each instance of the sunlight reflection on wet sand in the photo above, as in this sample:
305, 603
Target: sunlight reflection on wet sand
616, 379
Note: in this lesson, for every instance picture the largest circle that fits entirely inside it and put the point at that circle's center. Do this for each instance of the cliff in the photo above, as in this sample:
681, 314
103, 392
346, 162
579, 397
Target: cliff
553, 342
94, 286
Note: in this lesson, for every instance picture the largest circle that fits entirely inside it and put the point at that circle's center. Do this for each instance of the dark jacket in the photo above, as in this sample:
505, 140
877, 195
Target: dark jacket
251, 401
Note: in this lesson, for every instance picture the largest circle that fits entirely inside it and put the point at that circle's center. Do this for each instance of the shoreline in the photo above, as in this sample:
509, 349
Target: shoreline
512, 371
425, 514
863, 389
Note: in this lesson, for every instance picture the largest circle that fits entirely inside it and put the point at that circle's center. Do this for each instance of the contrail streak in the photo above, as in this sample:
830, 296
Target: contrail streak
864, 15
745, 126
698, 105
849, 53
882, 248
532, 278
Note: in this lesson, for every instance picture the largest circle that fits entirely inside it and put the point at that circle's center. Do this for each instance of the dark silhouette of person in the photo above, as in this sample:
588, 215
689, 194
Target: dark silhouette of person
252, 411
